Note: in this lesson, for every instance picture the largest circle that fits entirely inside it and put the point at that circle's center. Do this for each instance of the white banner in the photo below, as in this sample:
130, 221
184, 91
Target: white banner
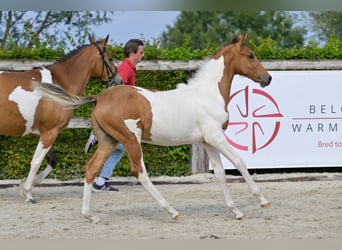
294, 122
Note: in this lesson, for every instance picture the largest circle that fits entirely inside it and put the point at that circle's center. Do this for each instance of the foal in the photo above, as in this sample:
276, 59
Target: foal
131, 115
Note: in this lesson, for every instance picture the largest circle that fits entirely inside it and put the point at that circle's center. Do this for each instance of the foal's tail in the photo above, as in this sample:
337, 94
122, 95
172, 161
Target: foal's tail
57, 94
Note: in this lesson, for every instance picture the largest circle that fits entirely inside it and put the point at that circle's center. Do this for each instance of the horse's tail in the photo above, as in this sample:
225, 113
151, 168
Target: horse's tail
57, 94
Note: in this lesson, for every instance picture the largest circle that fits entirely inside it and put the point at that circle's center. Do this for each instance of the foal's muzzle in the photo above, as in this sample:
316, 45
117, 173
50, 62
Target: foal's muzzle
265, 80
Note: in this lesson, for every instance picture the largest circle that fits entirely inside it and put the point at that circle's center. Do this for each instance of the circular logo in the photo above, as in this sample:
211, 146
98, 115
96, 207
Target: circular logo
254, 119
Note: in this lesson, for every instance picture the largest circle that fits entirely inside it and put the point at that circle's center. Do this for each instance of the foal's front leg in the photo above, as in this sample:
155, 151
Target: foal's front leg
214, 158
223, 146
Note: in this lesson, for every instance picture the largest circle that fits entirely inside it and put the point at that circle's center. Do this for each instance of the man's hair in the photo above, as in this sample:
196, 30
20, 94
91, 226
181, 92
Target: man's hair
132, 46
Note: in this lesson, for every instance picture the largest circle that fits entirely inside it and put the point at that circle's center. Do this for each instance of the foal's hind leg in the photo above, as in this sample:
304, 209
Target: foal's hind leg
93, 166
146, 182
139, 171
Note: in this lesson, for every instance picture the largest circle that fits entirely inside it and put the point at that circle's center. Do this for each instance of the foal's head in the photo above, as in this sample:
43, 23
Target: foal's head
105, 67
239, 59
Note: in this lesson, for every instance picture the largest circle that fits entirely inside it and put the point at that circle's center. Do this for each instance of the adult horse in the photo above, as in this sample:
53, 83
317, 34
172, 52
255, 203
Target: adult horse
23, 112
131, 115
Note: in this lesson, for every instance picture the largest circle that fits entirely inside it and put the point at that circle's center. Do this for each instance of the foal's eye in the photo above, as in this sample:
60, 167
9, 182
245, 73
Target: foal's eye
250, 56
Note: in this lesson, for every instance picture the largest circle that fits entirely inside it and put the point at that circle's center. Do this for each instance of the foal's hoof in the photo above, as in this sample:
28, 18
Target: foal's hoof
242, 218
176, 217
266, 205
93, 219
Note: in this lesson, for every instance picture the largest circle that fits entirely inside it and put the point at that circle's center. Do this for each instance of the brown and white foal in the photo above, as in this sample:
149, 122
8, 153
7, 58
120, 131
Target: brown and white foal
192, 113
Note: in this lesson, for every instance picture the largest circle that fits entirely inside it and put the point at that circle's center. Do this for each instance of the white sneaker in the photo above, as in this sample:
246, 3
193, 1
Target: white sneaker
92, 141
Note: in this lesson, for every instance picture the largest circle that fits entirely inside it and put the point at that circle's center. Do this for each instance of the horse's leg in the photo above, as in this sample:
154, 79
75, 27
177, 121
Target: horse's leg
38, 157
223, 146
52, 162
93, 166
138, 169
86, 212
146, 182
214, 158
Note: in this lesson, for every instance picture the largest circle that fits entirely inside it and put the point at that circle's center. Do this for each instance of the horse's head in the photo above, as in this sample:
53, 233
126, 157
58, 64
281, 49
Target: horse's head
105, 66
239, 59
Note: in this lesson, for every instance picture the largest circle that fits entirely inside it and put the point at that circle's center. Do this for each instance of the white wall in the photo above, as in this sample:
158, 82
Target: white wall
294, 122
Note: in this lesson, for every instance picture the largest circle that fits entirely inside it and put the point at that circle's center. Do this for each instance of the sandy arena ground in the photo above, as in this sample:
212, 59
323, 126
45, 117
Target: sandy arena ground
302, 207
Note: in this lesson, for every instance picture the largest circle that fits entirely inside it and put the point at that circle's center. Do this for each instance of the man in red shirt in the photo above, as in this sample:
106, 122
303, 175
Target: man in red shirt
134, 53
127, 70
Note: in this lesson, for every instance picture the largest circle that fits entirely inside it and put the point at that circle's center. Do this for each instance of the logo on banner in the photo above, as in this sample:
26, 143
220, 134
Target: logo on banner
254, 119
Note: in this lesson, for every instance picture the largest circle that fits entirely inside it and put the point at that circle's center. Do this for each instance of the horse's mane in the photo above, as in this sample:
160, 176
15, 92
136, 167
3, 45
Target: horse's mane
70, 54
198, 74
215, 55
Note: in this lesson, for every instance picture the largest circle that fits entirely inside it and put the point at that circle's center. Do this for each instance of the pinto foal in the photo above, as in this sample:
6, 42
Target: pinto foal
132, 115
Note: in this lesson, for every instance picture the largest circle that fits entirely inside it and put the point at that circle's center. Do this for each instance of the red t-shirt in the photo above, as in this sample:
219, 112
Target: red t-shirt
127, 72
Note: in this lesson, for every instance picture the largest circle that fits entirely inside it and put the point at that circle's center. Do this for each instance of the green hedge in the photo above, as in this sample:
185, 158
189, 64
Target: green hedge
16, 152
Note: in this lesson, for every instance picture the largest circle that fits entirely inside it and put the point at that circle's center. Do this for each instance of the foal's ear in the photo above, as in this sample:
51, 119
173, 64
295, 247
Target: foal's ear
91, 39
243, 38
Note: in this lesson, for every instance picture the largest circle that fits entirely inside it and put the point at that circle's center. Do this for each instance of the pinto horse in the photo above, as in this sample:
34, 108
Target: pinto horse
23, 112
131, 115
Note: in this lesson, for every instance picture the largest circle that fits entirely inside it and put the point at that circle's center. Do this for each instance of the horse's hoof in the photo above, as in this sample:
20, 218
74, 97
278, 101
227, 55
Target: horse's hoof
31, 201
93, 219
242, 218
266, 205
176, 217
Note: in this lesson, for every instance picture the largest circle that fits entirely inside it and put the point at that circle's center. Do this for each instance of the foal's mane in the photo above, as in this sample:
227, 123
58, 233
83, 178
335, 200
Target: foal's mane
215, 55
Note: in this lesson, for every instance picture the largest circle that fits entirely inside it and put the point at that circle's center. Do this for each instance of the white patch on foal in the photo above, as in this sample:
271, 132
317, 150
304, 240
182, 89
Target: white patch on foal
132, 126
